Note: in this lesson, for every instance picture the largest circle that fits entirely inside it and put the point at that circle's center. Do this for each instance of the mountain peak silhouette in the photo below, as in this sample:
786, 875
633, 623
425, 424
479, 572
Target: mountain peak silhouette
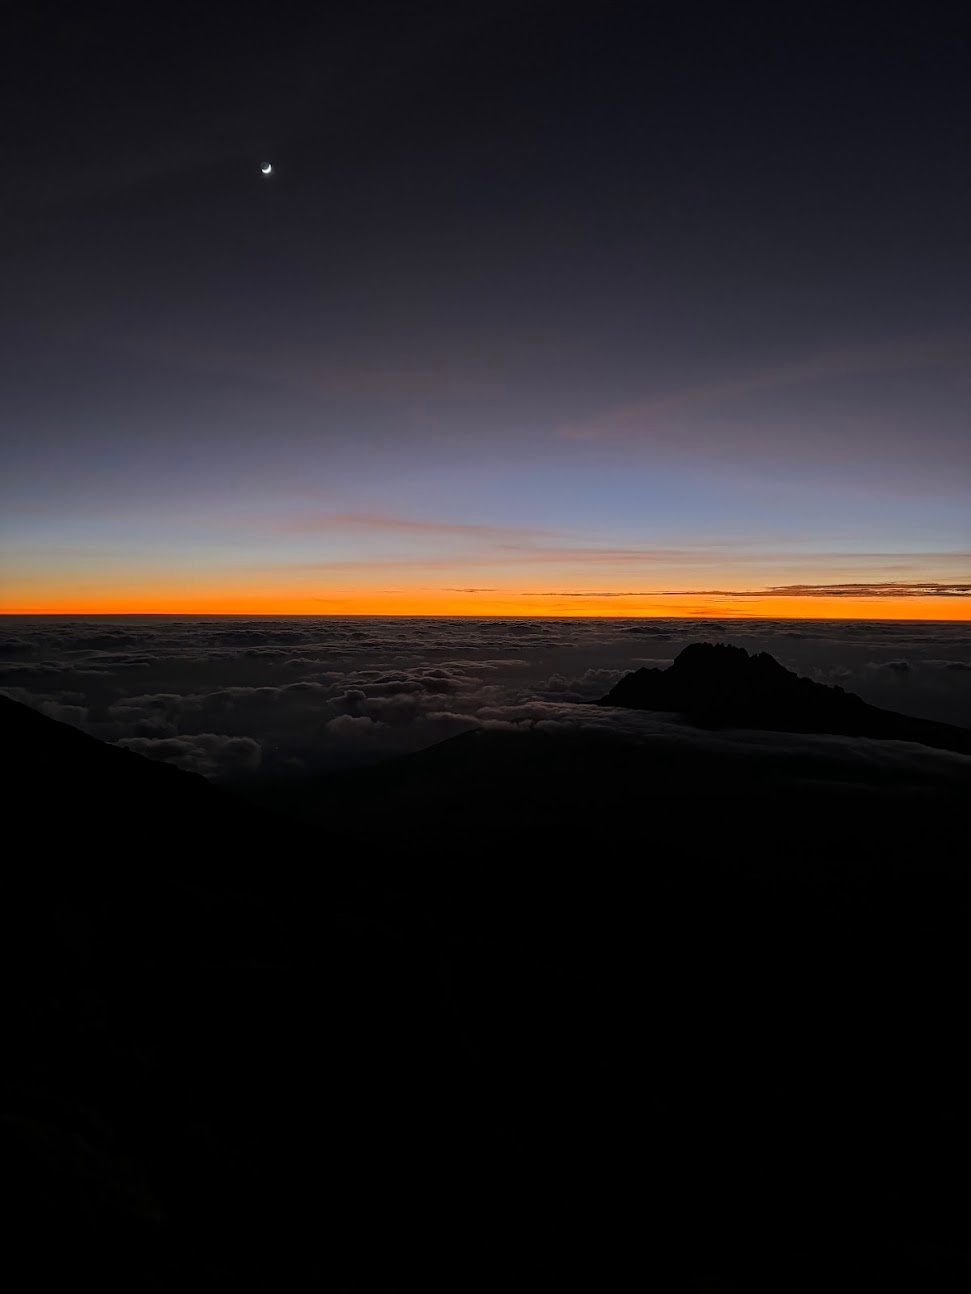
705, 661
716, 685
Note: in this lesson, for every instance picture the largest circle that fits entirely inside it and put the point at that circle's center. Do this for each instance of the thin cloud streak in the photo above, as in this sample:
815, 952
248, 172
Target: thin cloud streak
379, 521
924, 589
644, 593
509, 554
621, 422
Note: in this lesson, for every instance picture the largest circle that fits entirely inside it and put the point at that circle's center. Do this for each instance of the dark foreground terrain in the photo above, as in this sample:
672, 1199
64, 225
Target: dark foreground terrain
527, 1010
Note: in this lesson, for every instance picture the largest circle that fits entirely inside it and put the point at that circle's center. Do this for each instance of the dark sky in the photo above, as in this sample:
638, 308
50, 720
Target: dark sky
639, 278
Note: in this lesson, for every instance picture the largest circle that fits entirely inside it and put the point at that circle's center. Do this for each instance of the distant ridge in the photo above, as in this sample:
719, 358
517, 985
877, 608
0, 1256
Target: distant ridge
715, 685
74, 782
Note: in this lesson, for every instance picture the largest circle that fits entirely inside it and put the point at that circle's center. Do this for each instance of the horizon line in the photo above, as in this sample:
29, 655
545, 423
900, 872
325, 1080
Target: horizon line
492, 615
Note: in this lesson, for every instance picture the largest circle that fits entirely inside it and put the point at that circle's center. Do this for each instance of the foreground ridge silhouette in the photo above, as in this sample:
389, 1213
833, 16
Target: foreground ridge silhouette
417, 1036
720, 686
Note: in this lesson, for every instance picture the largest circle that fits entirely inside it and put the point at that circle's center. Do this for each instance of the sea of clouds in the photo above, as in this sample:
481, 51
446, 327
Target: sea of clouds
239, 696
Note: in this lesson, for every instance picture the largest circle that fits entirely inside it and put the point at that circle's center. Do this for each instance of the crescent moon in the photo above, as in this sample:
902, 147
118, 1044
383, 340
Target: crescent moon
267, 169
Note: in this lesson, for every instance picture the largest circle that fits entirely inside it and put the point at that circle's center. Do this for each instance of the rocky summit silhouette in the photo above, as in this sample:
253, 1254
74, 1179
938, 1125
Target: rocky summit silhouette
719, 686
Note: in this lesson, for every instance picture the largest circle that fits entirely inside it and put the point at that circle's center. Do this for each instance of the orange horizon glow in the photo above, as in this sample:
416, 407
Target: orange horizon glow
505, 604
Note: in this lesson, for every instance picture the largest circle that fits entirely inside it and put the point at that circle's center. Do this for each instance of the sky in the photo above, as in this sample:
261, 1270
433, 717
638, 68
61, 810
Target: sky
633, 310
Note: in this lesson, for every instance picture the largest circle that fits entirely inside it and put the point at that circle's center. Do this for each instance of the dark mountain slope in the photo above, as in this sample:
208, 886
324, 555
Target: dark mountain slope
511, 1013
69, 785
765, 944
228, 1065
502, 804
719, 686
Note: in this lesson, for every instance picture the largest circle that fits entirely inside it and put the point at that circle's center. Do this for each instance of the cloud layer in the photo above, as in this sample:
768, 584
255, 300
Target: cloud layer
243, 697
